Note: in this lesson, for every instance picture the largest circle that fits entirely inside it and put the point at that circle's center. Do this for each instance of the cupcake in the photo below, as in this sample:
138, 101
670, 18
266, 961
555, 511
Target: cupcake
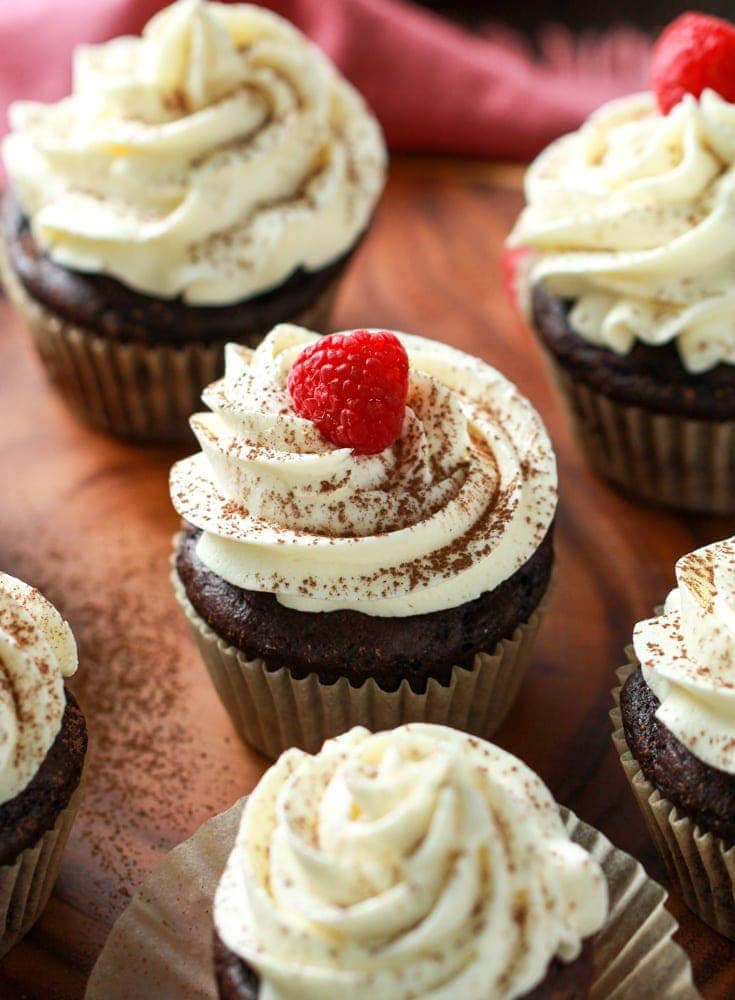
677, 741
202, 183
43, 741
629, 283
417, 862
368, 536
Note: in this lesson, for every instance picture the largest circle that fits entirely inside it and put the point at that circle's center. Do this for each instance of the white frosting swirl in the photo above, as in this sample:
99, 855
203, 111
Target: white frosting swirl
37, 650
687, 655
418, 862
453, 508
210, 158
631, 216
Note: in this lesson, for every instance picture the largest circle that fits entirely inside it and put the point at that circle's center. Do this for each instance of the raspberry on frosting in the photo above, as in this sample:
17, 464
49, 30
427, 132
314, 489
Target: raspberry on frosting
353, 387
694, 53
512, 264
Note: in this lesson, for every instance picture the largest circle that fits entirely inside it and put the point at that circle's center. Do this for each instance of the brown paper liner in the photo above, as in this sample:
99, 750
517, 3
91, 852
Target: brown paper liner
161, 946
272, 710
700, 867
662, 459
139, 392
25, 886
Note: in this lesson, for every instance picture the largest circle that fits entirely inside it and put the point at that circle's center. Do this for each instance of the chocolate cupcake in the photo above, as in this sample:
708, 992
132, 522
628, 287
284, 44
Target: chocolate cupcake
630, 290
202, 183
43, 741
413, 862
676, 735
327, 587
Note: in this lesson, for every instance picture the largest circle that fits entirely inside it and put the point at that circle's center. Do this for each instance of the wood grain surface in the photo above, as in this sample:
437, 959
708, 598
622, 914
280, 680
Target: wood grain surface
88, 520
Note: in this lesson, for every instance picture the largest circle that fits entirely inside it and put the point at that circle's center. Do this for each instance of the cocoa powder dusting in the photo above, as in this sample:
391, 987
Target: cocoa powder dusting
162, 755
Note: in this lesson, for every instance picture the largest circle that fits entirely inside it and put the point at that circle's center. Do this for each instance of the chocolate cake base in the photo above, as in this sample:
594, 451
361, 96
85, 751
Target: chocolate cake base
25, 818
237, 980
355, 645
652, 378
110, 309
704, 793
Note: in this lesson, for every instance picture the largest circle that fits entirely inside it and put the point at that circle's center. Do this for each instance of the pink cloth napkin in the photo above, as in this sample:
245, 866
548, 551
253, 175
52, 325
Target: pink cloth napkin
434, 86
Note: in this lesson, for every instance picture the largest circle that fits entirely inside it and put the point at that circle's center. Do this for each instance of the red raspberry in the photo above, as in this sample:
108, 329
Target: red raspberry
511, 263
353, 386
694, 52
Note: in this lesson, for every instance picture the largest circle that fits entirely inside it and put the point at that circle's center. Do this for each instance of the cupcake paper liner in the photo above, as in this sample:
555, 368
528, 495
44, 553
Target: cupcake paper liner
699, 865
161, 946
25, 886
272, 710
660, 458
139, 392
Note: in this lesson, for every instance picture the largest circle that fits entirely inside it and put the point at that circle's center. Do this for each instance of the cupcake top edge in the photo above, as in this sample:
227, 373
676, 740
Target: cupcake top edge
418, 861
687, 655
37, 651
628, 218
450, 509
209, 158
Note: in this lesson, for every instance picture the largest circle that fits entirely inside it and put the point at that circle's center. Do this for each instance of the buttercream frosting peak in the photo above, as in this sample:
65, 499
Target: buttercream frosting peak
414, 862
37, 650
630, 218
687, 655
452, 508
189, 56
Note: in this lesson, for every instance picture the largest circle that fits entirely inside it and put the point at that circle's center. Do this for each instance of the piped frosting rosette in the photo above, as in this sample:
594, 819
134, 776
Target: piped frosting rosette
37, 650
631, 217
413, 862
455, 506
687, 655
209, 158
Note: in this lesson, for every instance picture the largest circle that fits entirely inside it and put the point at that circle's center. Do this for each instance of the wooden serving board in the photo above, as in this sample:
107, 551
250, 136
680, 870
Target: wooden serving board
88, 520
